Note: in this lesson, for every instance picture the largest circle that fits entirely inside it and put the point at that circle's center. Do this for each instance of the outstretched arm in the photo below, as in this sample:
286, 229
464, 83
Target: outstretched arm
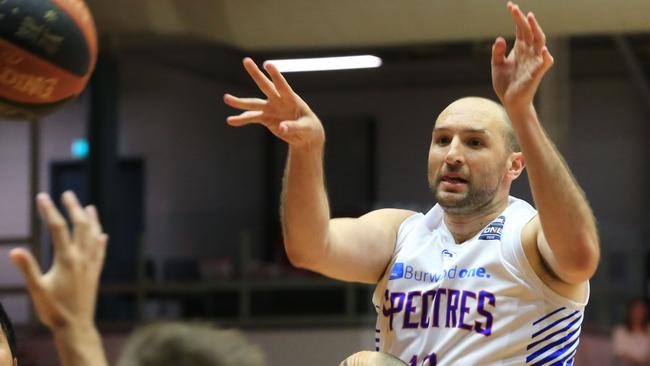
65, 296
347, 249
565, 229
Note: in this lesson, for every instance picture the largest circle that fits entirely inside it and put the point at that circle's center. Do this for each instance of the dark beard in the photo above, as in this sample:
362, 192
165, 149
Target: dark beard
473, 201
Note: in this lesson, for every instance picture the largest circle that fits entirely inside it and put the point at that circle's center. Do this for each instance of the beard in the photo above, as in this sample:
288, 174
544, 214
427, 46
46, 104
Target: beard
479, 194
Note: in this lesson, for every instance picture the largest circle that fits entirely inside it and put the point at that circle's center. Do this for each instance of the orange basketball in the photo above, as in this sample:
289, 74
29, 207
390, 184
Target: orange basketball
48, 49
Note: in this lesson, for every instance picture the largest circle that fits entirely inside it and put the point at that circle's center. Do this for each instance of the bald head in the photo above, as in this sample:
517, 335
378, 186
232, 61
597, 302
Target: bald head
487, 110
368, 358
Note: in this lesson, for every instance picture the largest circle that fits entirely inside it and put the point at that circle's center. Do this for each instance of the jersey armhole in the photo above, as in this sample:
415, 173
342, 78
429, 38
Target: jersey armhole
526, 271
402, 232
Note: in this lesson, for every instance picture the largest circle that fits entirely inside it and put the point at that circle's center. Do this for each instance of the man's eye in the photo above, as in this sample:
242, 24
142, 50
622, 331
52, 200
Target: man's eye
475, 143
443, 140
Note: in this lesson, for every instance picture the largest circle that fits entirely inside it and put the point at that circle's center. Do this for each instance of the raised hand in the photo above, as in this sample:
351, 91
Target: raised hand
515, 78
284, 113
65, 296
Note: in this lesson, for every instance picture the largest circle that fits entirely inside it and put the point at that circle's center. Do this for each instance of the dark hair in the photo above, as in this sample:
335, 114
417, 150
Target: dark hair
628, 313
8, 330
188, 344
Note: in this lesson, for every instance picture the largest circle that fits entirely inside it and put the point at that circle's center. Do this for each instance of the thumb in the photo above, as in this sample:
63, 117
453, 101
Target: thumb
294, 127
499, 51
27, 264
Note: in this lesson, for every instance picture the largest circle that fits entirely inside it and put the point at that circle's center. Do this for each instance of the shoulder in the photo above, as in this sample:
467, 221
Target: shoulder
521, 209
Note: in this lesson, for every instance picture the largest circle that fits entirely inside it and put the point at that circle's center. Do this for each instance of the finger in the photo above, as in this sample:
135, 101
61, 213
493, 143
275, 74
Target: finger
547, 63
80, 223
55, 222
245, 118
279, 81
254, 104
548, 58
499, 51
28, 266
293, 127
518, 33
524, 33
93, 219
540, 37
265, 85
98, 251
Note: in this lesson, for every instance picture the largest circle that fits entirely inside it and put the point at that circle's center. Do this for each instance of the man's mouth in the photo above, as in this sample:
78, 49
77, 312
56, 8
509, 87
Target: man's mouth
453, 180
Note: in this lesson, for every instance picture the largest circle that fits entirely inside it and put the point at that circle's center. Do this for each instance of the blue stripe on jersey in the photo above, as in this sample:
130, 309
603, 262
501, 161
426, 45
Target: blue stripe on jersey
557, 354
547, 315
568, 360
578, 319
558, 345
554, 324
562, 340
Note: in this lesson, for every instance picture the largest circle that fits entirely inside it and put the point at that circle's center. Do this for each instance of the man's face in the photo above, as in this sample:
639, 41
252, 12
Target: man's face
5, 352
468, 157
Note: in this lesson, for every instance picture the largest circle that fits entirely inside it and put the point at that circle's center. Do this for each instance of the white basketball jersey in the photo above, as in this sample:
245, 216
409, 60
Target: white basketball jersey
474, 303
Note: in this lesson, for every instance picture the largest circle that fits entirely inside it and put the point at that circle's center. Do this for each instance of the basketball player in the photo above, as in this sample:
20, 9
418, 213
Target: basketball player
482, 278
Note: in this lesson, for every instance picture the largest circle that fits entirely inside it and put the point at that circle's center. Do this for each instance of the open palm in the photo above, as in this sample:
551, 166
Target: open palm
284, 113
515, 78
67, 293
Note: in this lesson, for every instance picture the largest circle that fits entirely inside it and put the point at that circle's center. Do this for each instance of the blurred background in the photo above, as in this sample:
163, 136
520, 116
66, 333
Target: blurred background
192, 204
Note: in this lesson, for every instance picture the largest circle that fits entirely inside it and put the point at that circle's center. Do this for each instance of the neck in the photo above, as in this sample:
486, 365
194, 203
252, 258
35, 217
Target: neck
463, 226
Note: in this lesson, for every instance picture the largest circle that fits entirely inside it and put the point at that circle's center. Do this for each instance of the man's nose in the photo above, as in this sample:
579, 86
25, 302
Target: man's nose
455, 153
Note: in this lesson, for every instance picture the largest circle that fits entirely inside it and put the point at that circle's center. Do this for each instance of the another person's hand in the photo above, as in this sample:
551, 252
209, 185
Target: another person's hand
515, 78
284, 113
65, 296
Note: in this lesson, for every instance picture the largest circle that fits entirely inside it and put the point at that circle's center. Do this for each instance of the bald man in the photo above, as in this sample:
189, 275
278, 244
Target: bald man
367, 358
482, 278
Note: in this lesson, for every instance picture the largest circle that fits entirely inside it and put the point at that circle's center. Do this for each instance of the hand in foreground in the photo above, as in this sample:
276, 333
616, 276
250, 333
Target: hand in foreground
515, 78
284, 113
65, 296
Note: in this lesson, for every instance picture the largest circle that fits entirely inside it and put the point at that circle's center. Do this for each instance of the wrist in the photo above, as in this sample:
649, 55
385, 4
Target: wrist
75, 331
315, 147
521, 113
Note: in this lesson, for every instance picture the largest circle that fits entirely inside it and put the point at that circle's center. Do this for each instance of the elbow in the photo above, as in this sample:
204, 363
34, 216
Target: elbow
299, 257
585, 261
297, 260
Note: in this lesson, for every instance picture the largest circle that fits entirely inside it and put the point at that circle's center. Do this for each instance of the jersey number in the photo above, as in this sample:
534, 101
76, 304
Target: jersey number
432, 358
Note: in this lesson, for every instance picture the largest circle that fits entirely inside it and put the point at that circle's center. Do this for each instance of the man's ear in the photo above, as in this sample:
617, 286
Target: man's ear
516, 165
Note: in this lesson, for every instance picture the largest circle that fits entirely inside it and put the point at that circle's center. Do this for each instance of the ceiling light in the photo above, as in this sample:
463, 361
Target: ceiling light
327, 63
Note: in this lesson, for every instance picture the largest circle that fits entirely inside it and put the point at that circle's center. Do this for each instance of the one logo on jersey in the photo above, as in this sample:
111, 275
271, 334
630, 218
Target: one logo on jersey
494, 230
397, 271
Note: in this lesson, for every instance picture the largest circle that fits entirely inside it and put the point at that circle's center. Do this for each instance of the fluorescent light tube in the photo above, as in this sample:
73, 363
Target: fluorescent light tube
327, 63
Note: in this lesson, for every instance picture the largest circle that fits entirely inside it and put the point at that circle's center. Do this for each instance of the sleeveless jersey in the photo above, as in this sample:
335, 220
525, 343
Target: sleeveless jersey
475, 303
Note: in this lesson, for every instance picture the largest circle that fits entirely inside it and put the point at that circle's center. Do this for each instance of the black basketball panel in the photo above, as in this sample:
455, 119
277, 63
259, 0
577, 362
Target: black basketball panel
43, 29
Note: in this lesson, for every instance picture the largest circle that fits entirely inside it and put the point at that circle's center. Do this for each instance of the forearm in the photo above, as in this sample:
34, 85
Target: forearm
567, 220
305, 209
80, 346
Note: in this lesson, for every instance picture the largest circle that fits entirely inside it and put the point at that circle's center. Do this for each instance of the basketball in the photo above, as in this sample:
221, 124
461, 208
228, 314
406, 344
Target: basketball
48, 49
